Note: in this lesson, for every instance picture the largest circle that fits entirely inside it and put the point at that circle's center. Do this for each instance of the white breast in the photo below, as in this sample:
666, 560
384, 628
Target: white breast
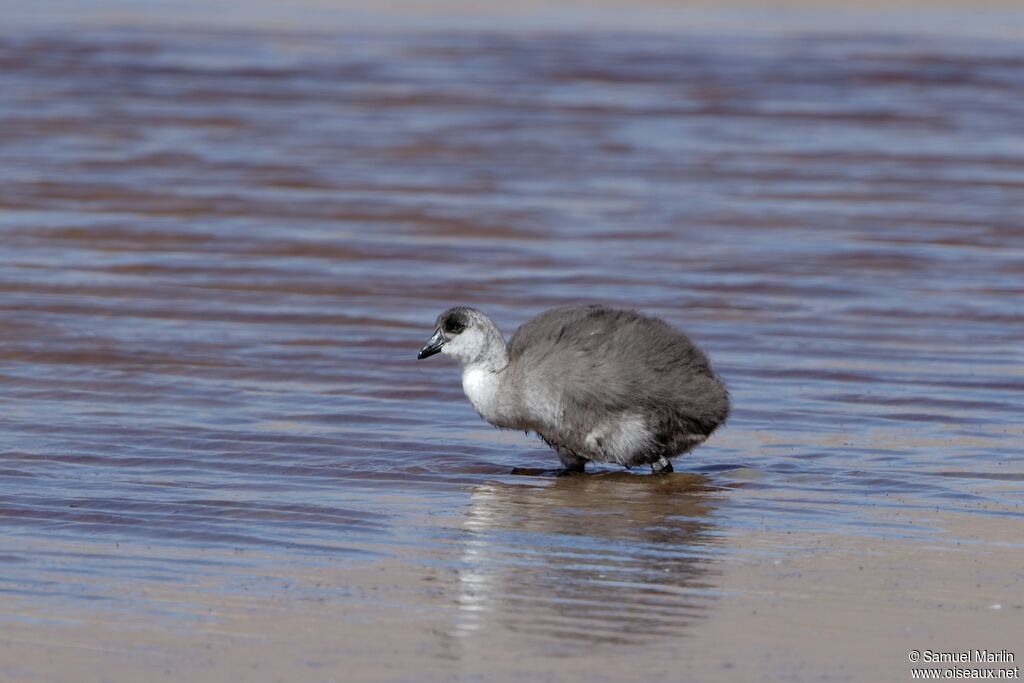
505, 406
481, 387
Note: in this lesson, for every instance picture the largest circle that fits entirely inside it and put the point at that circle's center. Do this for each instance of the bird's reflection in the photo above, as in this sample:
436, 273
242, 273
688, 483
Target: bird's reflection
608, 558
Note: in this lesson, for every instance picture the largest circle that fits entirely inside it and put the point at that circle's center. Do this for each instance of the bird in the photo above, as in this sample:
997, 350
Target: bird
595, 383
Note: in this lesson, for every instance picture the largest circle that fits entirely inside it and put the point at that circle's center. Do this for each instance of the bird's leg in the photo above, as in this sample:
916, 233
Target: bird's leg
571, 463
661, 466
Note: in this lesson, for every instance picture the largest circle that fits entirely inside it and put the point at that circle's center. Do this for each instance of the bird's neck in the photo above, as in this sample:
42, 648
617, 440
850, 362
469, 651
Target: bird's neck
482, 383
483, 376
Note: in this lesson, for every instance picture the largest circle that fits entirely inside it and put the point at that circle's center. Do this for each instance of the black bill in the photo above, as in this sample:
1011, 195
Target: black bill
433, 346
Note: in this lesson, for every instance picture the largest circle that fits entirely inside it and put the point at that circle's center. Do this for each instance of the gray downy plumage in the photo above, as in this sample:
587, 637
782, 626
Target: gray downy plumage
595, 383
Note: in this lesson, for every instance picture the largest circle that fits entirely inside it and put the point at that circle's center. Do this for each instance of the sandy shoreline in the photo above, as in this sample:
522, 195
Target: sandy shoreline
781, 606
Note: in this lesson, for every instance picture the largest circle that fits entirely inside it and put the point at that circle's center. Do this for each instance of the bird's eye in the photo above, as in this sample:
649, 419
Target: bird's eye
453, 327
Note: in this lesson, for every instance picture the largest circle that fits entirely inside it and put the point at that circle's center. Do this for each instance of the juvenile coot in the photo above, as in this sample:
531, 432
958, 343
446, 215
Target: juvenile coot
595, 383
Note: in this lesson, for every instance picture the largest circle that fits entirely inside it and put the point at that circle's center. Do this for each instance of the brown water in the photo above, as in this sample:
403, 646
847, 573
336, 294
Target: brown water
221, 251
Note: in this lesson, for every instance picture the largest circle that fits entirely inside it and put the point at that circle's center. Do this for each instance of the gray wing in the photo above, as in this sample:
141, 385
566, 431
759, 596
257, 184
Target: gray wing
546, 329
601, 362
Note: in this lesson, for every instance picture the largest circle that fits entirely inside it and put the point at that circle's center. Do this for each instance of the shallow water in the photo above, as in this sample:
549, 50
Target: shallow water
222, 250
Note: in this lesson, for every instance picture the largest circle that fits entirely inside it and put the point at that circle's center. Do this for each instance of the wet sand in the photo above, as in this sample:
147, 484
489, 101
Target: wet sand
222, 248
778, 607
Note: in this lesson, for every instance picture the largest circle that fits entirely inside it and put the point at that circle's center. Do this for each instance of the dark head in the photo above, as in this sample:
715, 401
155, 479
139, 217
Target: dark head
467, 335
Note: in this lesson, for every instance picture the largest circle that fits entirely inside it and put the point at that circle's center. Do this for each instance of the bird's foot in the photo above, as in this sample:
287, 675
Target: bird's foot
661, 466
569, 471
545, 471
572, 463
536, 471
